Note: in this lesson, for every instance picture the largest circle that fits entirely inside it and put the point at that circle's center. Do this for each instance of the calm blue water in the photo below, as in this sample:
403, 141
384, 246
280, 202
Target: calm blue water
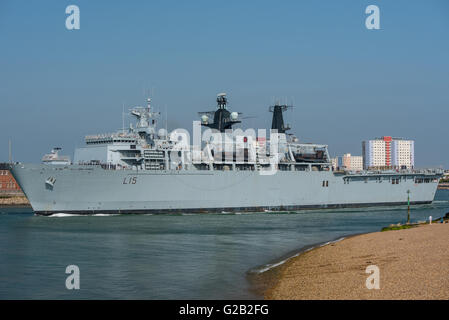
203, 256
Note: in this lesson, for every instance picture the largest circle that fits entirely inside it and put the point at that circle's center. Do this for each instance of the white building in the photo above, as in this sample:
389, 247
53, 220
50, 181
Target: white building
388, 152
403, 154
446, 174
352, 163
334, 162
374, 153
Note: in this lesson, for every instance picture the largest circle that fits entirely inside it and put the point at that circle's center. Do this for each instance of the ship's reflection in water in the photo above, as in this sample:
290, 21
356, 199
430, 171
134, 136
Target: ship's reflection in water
195, 256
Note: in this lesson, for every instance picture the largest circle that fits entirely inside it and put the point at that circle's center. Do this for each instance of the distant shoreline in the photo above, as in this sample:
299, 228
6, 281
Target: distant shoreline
14, 201
443, 186
412, 264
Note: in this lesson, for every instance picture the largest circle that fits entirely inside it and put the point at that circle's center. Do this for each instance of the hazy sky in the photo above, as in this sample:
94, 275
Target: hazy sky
347, 83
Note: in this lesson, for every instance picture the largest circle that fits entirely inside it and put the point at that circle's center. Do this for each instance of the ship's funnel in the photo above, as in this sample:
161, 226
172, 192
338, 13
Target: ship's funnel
278, 118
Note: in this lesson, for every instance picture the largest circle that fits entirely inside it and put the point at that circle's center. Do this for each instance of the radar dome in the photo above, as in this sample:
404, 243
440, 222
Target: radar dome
204, 118
234, 115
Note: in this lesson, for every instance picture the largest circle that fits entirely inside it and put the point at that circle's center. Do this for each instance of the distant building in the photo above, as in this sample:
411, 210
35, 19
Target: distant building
403, 154
334, 162
388, 153
352, 163
8, 184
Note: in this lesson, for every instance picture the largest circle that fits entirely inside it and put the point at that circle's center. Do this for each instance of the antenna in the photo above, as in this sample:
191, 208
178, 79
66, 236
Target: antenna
10, 151
166, 120
123, 117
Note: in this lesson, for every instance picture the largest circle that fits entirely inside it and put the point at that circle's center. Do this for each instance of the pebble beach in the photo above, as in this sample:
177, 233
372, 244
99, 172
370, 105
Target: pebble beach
413, 264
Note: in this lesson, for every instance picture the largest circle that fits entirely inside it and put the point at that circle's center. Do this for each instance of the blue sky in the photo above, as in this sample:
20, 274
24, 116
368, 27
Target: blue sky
347, 83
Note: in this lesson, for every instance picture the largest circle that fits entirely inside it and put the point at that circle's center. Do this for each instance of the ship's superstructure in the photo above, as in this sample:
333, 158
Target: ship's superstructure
143, 169
54, 158
138, 148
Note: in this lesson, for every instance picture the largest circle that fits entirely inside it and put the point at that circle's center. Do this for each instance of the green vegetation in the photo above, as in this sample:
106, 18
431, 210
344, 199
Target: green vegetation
400, 227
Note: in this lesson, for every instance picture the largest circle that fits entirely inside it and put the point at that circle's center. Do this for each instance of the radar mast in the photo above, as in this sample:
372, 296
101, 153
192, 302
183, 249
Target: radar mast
222, 118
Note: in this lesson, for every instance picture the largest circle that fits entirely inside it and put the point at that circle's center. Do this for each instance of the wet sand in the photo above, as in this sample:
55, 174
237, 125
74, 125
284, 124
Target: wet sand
413, 264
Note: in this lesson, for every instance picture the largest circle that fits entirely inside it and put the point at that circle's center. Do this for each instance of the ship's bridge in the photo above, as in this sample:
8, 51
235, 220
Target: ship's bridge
110, 138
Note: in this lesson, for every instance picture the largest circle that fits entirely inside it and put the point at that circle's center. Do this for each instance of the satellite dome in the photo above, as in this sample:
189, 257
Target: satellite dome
234, 115
204, 118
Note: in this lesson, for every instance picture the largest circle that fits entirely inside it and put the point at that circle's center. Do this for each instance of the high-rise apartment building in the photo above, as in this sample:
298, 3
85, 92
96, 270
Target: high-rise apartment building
388, 152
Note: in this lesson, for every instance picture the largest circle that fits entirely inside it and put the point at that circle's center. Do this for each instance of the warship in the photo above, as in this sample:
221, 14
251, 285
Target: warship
143, 169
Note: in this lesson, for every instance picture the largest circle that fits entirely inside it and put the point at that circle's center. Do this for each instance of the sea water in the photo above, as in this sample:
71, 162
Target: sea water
194, 256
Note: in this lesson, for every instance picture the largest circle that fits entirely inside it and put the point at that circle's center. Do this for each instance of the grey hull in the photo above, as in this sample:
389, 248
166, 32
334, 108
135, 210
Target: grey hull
233, 209
91, 189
